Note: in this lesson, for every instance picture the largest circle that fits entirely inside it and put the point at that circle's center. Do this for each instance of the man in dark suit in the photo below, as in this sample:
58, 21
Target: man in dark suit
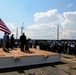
12, 41
23, 42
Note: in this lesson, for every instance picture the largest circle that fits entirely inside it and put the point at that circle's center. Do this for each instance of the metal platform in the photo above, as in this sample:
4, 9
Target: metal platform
17, 58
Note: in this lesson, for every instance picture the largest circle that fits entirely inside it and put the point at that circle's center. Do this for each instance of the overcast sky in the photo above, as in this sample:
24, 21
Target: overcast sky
40, 18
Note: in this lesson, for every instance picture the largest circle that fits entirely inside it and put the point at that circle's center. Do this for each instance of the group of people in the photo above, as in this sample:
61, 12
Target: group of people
24, 43
60, 47
6, 41
57, 46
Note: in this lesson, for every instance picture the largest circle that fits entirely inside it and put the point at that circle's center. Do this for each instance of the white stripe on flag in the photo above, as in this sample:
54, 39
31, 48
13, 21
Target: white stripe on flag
3, 27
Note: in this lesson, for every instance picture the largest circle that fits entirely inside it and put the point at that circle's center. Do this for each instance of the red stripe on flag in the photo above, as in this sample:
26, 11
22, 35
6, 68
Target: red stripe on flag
3, 27
4, 30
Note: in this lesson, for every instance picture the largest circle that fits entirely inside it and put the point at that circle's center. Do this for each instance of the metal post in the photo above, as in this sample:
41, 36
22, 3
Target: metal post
17, 33
57, 32
22, 27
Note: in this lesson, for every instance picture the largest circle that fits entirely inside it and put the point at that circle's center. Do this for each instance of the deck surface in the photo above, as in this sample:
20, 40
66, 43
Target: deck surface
17, 53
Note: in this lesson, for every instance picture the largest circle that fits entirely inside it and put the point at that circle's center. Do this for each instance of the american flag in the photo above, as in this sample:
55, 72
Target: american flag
3, 27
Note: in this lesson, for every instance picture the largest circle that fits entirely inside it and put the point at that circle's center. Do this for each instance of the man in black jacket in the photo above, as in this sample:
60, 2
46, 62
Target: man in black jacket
23, 42
12, 41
